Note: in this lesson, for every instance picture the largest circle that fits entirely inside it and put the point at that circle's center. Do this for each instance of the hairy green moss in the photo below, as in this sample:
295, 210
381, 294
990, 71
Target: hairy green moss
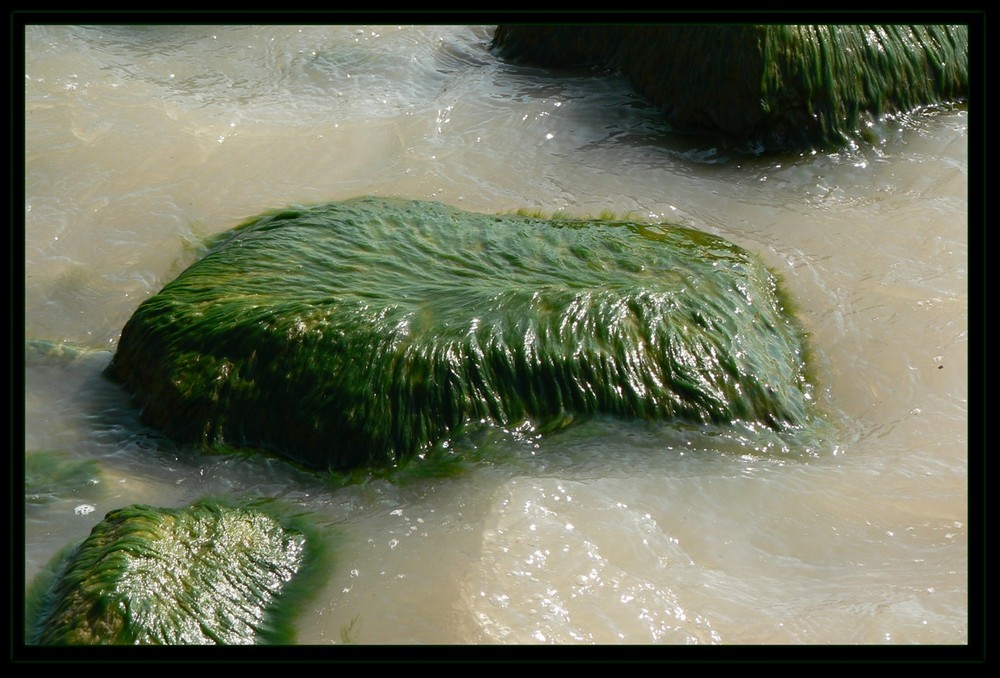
365, 332
206, 574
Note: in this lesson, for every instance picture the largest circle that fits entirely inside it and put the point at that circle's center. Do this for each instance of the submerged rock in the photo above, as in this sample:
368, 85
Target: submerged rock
764, 87
41, 352
207, 574
50, 476
363, 332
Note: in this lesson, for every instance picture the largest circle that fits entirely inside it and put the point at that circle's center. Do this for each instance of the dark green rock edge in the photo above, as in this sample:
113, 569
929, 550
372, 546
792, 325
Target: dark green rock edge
763, 87
205, 574
363, 332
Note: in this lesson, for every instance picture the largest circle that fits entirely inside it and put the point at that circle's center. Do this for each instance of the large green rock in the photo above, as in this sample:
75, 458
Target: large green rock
765, 87
206, 574
363, 332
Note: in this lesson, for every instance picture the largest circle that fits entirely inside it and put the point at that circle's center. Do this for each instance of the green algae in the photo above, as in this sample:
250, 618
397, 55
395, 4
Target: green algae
365, 332
764, 87
205, 574
840, 77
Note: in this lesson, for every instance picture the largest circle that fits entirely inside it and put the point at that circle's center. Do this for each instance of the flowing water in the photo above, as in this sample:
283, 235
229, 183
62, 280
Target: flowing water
141, 141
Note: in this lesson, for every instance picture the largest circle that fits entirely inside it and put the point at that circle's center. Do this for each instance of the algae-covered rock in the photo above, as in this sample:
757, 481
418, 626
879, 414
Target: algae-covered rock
765, 87
206, 574
364, 331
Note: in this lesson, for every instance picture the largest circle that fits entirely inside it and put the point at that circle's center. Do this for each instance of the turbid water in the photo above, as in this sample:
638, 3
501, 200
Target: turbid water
142, 141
